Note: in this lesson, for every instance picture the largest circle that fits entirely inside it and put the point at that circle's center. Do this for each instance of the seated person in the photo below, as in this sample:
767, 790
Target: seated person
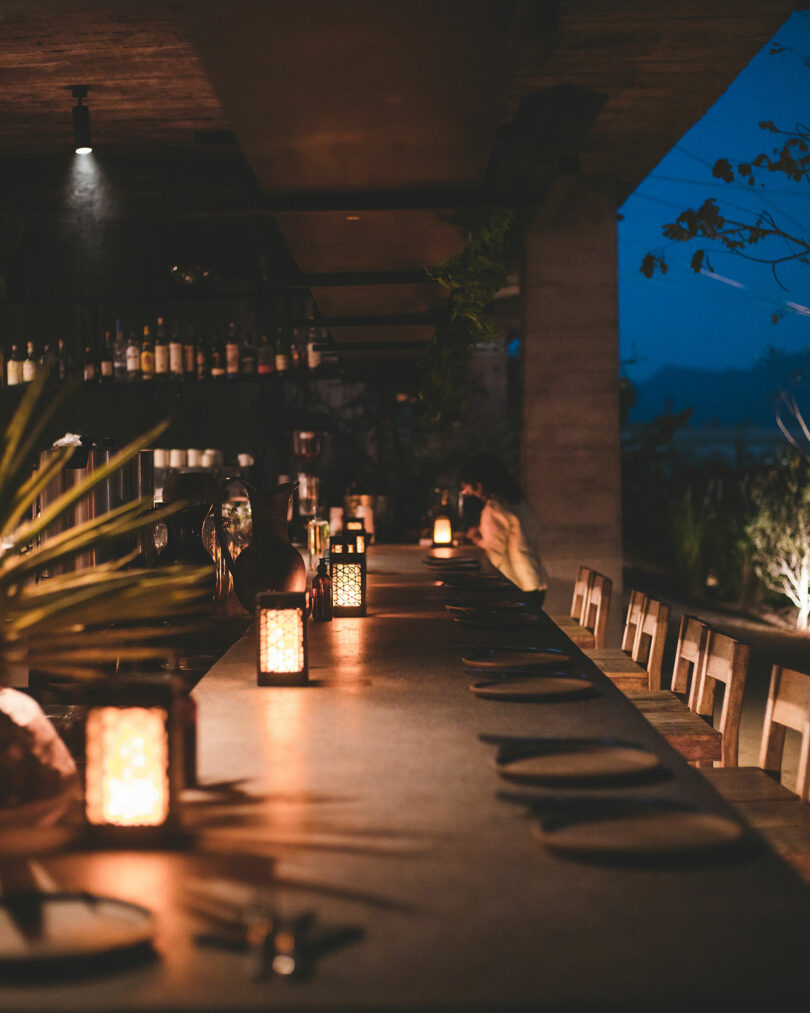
507, 528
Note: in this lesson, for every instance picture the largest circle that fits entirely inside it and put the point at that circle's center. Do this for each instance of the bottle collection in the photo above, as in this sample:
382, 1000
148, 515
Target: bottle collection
163, 353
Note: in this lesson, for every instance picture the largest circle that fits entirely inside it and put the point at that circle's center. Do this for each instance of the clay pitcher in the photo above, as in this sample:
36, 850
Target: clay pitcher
269, 562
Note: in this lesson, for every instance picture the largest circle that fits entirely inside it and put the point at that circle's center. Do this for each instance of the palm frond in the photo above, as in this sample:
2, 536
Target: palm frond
24, 432
26, 495
27, 532
80, 624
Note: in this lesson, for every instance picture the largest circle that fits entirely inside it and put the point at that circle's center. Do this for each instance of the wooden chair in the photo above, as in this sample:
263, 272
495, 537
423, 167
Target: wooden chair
573, 624
641, 668
781, 817
590, 631
634, 609
788, 707
689, 654
713, 658
597, 606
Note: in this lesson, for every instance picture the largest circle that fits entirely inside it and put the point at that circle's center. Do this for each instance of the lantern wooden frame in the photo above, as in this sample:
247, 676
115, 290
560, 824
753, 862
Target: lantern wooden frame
152, 710
290, 602
347, 566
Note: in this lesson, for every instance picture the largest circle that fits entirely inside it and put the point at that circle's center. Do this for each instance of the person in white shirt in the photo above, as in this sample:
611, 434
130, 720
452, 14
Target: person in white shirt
507, 530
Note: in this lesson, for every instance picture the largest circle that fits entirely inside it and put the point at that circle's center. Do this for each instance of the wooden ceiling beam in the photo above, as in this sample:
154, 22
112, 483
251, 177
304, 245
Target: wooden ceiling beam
376, 320
350, 279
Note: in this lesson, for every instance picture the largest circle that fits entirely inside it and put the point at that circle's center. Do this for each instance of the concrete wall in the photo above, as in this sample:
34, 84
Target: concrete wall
570, 440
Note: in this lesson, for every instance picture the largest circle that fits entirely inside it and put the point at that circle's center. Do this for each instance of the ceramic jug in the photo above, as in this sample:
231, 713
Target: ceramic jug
269, 562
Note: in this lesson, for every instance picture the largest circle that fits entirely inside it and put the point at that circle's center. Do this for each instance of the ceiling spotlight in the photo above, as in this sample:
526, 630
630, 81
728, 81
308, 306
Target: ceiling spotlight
82, 144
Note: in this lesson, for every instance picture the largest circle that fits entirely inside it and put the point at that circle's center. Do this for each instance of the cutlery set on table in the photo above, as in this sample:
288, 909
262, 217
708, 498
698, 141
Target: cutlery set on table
582, 794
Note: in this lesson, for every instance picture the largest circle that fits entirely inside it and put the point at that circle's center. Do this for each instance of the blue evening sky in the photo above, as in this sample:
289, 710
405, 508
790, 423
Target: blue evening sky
697, 320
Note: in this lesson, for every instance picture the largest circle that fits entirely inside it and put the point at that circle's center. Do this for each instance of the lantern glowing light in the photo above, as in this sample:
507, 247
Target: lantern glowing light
134, 752
282, 638
127, 766
442, 531
348, 571
354, 534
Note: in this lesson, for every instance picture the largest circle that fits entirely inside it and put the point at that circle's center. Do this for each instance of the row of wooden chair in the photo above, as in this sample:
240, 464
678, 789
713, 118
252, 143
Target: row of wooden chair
706, 659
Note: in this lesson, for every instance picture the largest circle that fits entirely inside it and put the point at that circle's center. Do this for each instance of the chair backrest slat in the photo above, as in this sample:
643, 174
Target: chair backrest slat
725, 661
688, 655
582, 586
632, 619
788, 707
595, 615
651, 634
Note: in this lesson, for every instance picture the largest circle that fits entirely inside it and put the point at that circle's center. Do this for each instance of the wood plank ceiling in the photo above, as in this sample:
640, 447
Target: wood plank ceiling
365, 122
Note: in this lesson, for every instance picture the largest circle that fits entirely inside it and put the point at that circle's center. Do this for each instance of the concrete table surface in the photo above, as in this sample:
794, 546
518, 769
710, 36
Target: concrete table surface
371, 791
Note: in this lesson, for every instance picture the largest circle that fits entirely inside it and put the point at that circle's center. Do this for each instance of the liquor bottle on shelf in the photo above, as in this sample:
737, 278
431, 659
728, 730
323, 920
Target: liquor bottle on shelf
295, 349
265, 357
63, 363
282, 352
175, 355
321, 595
217, 359
29, 366
45, 362
189, 353
161, 352
201, 359
133, 362
89, 371
313, 349
119, 353
14, 373
105, 362
249, 362
147, 356
232, 353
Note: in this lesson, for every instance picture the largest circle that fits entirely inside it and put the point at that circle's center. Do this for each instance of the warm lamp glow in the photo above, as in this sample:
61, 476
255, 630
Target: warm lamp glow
348, 571
354, 534
282, 640
442, 531
282, 648
127, 766
347, 587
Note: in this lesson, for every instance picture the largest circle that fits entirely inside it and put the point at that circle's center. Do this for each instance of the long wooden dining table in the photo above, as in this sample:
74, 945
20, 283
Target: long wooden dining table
368, 799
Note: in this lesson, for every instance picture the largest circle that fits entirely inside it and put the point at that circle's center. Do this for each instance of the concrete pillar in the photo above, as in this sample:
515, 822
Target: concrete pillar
570, 440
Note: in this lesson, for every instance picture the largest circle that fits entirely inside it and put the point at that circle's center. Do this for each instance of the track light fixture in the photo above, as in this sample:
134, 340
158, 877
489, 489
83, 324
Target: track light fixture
82, 144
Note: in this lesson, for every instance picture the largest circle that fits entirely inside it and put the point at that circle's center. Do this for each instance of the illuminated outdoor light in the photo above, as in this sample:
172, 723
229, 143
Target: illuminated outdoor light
348, 571
442, 530
134, 757
82, 145
281, 632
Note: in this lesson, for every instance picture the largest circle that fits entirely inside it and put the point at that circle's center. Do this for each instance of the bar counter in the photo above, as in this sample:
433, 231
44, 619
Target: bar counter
373, 793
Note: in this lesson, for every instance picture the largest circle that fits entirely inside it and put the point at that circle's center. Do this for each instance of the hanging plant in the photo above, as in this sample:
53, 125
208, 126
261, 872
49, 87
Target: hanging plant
472, 277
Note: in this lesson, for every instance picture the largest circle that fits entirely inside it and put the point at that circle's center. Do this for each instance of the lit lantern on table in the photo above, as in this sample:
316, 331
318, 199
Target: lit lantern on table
354, 530
281, 631
442, 530
348, 571
134, 754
